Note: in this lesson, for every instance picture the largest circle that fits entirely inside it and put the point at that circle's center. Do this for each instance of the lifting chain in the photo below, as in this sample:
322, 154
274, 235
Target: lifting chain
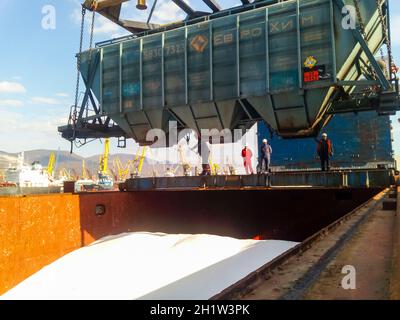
386, 38
90, 50
362, 28
360, 19
73, 117
78, 66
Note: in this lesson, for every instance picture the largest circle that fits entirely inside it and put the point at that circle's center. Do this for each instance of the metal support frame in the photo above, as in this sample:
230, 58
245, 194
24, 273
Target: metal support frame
88, 94
213, 5
392, 75
245, 109
185, 7
93, 126
364, 45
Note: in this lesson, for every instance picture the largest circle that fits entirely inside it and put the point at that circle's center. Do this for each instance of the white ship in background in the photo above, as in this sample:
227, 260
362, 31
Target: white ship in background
24, 175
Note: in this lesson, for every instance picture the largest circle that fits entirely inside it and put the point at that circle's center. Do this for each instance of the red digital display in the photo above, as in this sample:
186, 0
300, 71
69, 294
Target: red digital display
311, 76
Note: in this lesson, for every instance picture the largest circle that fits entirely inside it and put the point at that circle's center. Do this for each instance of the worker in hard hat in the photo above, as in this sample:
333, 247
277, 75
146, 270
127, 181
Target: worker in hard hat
265, 158
325, 151
247, 155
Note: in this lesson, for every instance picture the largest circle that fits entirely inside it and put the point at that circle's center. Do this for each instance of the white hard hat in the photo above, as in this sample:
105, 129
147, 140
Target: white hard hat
265, 141
324, 135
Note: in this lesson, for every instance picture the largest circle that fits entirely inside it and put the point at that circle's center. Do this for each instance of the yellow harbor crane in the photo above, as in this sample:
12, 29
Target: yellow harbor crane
51, 164
105, 181
85, 173
66, 174
187, 168
215, 168
139, 160
103, 168
122, 171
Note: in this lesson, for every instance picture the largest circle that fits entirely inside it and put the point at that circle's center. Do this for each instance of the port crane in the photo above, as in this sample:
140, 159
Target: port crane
51, 164
104, 179
85, 172
103, 167
139, 161
122, 171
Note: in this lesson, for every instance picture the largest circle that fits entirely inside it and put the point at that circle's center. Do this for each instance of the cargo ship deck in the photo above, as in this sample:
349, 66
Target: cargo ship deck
42, 228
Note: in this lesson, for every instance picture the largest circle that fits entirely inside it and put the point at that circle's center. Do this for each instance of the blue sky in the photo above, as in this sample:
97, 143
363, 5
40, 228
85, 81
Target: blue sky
38, 68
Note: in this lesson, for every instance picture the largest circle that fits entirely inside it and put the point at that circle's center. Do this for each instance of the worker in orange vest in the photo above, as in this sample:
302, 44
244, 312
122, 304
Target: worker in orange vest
247, 155
325, 151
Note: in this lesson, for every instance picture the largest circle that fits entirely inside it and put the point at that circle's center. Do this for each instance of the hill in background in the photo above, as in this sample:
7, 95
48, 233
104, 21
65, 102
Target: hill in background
73, 163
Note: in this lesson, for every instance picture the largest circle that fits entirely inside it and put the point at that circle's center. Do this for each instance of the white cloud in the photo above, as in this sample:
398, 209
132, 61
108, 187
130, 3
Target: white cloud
166, 11
102, 25
62, 95
45, 100
40, 128
105, 26
11, 103
11, 87
9, 121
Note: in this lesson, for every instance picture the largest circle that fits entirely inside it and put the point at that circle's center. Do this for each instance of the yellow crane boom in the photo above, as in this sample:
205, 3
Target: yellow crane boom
84, 172
121, 170
50, 165
140, 166
104, 158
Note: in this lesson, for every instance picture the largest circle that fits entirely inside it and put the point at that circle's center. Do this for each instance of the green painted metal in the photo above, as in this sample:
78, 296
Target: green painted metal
197, 74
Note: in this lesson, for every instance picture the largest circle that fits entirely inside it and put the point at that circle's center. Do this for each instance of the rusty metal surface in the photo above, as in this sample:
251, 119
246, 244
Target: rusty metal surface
35, 231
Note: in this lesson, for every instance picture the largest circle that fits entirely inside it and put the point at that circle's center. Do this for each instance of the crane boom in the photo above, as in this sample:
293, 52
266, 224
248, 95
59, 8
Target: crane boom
141, 160
102, 4
50, 166
104, 159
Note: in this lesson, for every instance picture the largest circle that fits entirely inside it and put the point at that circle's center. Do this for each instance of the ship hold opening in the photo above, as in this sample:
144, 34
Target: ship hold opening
291, 214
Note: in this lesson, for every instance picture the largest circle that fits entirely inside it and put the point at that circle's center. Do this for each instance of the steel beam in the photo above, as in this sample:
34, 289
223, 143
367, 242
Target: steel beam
102, 4
364, 45
185, 7
88, 84
138, 26
213, 5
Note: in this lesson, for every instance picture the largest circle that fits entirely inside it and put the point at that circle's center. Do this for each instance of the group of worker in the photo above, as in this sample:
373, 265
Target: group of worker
324, 151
